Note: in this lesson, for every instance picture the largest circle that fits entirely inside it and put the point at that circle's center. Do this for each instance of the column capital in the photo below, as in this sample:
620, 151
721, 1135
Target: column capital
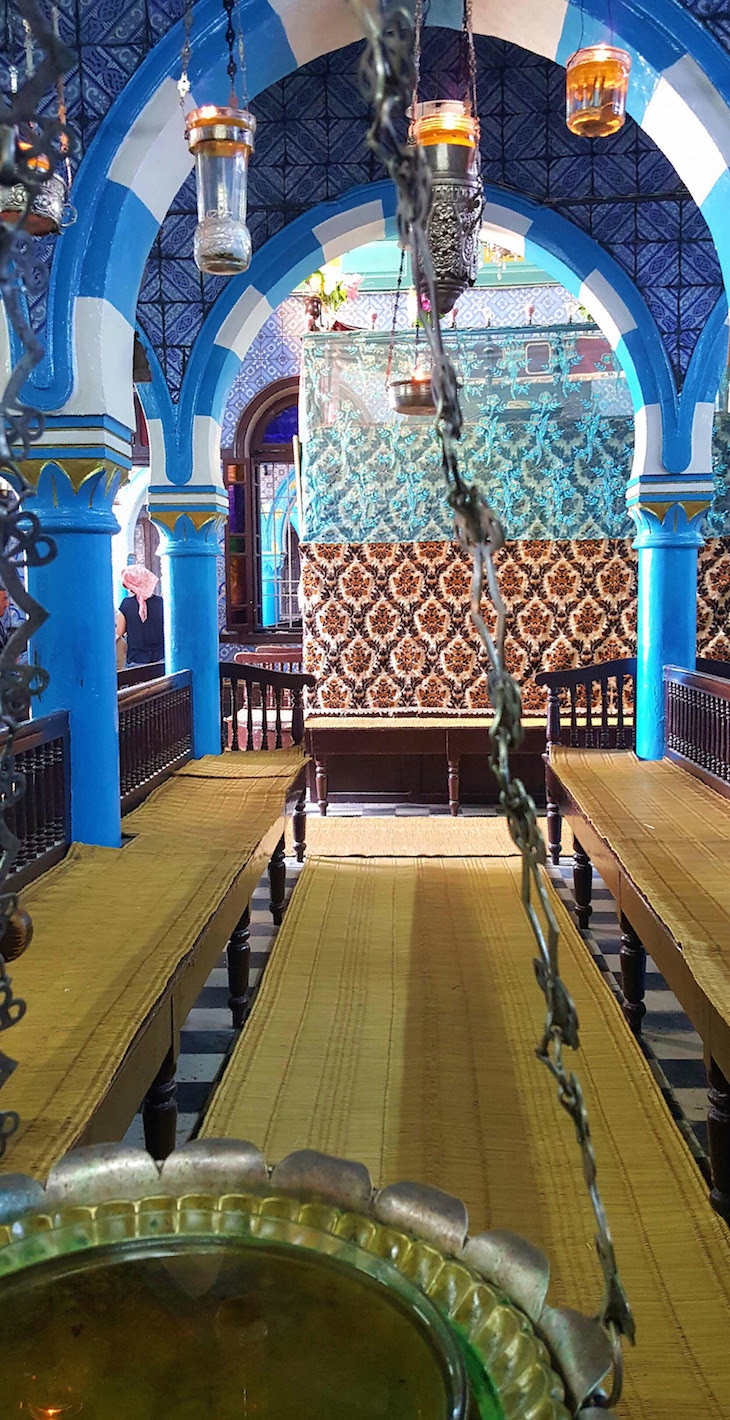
76, 495
669, 507
189, 517
669, 522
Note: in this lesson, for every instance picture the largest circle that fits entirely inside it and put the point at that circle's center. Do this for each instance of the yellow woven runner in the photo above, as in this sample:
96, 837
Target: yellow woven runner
396, 1025
228, 812
250, 764
412, 836
672, 835
108, 935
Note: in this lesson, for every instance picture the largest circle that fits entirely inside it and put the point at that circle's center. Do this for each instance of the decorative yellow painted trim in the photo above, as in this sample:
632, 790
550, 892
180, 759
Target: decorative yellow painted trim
77, 471
691, 507
171, 516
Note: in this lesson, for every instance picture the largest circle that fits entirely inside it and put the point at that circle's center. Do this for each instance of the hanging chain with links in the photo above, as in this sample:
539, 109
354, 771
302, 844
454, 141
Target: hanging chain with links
22, 543
183, 83
230, 41
387, 79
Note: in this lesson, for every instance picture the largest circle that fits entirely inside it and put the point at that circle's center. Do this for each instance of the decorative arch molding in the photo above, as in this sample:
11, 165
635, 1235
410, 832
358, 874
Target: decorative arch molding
680, 95
366, 213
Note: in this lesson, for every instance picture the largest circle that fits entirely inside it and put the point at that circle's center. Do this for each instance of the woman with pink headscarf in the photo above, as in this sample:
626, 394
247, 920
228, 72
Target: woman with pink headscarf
140, 618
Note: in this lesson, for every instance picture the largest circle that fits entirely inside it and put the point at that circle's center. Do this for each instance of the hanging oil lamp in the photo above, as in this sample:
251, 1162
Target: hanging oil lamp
221, 139
413, 395
447, 131
596, 85
45, 194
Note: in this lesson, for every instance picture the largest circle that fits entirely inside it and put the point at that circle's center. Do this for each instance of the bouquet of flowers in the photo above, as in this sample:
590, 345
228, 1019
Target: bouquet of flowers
326, 291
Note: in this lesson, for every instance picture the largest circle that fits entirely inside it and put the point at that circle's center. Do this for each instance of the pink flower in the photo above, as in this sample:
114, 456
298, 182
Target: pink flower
353, 287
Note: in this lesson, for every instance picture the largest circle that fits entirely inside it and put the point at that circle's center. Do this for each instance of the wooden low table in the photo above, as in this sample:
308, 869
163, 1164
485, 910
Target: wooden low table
451, 738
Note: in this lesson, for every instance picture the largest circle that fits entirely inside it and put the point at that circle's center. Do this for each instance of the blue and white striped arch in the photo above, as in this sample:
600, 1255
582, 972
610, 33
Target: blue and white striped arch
664, 434
680, 94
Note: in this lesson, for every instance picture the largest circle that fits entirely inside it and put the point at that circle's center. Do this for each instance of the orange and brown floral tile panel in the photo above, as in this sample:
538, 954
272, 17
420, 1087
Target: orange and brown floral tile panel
387, 625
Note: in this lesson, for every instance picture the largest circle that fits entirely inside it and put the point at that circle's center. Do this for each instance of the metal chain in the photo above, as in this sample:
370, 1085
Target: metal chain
22, 542
417, 34
183, 83
387, 73
230, 41
242, 57
471, 62
396, 304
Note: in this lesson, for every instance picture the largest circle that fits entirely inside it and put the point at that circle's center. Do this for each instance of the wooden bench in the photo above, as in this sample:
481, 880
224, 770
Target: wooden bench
125, 938
658, 832
395, 1025
450, 738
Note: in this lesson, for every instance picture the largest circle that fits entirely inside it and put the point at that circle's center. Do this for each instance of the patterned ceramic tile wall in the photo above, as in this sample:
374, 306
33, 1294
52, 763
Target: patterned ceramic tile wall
387, 626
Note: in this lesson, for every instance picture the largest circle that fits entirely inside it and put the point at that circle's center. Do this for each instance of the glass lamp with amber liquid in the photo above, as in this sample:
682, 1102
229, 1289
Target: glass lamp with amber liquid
596, 85
221, 141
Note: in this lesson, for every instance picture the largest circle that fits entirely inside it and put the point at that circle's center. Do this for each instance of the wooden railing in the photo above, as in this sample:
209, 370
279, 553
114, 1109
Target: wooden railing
275, 658
136, 675
601, 713
247, 693
155, 734
41, 819
697, 724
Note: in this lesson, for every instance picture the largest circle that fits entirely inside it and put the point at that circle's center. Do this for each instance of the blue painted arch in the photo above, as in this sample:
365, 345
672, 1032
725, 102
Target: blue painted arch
549, 240
102, 257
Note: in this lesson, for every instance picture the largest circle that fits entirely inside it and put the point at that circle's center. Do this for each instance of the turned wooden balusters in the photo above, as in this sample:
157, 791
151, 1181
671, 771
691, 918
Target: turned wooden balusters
155, 734
697, 724
265, 695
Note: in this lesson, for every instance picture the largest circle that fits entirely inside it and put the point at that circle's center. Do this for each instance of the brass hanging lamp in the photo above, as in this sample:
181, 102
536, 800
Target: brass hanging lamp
221, 139
447, 131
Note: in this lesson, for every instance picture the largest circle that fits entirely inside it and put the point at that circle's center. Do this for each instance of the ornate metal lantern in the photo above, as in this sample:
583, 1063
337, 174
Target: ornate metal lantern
449, 136
596, 85
45, 206
221, 140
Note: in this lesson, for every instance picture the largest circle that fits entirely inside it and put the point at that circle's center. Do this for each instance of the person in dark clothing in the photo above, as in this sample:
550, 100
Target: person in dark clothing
140, 618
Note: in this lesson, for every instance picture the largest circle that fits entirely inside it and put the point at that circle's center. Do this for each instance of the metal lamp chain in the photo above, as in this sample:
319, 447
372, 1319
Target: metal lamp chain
183, 83
387, 75
22, 543
230, 41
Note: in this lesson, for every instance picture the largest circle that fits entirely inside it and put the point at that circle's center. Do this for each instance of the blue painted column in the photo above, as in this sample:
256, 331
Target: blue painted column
668, 538
189, 553
76, 645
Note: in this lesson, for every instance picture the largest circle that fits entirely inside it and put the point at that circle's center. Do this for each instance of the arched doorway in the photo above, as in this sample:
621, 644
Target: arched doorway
261, 475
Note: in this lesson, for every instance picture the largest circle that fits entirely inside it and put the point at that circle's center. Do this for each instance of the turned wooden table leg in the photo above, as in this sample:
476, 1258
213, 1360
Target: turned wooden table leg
582, 884
320, 770
299, 825
554, 830
277, 882
159, 1112
239, 963
633, 976
718, 1135
454, 787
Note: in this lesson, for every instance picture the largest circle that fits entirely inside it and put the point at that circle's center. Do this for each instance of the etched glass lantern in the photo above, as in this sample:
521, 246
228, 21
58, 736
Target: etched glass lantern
448, 133
221, 141
596, 85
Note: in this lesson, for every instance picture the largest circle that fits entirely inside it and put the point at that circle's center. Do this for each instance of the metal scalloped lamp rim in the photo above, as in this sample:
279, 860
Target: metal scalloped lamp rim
491, 1287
